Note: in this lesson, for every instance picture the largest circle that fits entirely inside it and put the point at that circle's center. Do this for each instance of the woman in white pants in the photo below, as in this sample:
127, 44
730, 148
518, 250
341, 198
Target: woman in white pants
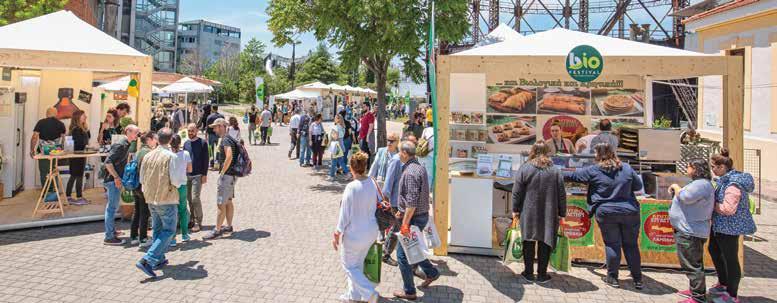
357, 230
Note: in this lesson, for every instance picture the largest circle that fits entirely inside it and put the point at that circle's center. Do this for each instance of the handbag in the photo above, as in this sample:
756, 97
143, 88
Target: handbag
383, 214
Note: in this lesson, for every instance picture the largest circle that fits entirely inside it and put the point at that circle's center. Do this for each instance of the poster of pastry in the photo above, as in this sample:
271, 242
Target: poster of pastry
473, 132
467, 149
562, 132
505, 129
512, 99
618, 102
467, 118
564, 100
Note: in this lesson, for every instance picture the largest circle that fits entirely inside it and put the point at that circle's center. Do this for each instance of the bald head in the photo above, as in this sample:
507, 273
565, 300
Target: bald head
51, 112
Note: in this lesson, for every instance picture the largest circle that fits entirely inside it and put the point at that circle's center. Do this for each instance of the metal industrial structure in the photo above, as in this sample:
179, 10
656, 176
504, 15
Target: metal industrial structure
643, 20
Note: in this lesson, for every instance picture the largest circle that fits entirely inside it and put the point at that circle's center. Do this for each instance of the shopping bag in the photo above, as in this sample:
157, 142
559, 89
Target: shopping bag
269, 131
414, 245
372, 263
559, 259
513, 244
431, 235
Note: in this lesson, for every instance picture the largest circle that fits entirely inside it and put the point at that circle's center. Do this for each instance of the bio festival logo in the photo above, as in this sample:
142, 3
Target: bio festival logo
584, 63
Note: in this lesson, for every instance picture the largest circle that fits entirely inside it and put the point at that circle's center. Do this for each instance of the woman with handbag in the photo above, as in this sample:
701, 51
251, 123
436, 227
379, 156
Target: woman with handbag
540, 201
357, 230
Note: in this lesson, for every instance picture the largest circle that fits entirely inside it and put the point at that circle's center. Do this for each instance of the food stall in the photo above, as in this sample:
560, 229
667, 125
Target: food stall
53, 61
497, 100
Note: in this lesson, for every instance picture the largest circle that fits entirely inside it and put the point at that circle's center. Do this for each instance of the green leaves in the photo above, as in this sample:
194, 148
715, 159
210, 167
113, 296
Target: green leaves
12, 11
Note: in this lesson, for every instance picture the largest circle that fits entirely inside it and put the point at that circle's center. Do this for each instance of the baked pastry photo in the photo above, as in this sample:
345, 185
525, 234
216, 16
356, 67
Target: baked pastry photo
512, 100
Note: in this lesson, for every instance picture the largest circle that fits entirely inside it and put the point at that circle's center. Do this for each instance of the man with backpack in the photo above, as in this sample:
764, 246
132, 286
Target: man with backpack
234, 163
114, 166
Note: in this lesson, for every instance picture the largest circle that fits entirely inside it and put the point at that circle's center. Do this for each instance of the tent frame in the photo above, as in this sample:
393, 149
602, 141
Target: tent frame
498, 68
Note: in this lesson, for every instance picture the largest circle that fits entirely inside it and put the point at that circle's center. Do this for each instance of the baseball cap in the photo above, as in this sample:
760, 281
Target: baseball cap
219, 121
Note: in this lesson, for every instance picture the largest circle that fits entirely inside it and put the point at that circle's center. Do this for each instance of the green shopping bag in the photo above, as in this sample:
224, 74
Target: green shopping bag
269, 131
372, 263
513, 244
559, 259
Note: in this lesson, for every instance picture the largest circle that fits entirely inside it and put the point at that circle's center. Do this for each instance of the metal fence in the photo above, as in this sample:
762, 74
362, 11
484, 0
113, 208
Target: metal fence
753, 166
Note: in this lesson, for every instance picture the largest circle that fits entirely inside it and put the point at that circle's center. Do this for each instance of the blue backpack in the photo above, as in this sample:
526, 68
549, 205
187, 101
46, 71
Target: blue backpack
131, 178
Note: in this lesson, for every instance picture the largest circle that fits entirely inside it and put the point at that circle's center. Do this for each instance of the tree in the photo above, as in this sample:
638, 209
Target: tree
225, 70
12, 11
251, 66
318, 67
192, 64
371, 32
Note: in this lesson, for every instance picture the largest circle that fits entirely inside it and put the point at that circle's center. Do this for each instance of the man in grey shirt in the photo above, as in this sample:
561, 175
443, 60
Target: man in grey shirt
265, 121
605, 136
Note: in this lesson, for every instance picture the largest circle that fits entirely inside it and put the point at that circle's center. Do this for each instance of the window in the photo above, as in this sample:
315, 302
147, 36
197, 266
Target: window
209, 29
218, 42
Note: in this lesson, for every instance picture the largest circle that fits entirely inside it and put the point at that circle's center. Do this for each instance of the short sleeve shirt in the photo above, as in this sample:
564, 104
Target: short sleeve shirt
365, 123
266, 118
222, 155
50, 129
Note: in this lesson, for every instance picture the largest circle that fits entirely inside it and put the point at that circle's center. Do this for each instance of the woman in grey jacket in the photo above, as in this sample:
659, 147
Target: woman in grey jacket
539, 199
691, 217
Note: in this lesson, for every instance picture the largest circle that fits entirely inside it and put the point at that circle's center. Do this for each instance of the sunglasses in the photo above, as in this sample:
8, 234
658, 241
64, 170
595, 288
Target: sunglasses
391, 141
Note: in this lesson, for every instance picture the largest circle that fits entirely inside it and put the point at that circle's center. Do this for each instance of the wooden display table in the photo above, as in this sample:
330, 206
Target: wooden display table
54, 179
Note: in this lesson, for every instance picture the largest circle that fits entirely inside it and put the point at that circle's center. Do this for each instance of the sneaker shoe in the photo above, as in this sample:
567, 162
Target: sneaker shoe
113, 242
691, 300
173, 243
134, 241
161, 264
71, 200
526, 277
79, 201
185, 238
389, 261
726, 298
639, 285
542, 278
145, 243
685, 293
213, 234
145, 268
612, 282
717, 288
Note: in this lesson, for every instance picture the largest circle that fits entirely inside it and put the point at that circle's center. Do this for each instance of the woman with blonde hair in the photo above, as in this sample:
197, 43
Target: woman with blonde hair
540, 201
611, 199
357, 230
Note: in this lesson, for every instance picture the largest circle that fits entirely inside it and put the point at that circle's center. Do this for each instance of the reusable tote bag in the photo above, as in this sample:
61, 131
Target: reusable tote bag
513, 244
414, 245
559, 259
372, 263
431, 235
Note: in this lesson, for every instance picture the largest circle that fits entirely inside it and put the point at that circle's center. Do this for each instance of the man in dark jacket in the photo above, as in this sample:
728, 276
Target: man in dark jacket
198, 150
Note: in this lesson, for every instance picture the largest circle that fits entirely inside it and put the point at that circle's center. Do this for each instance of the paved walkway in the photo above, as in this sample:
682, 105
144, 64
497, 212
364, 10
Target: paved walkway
282, 252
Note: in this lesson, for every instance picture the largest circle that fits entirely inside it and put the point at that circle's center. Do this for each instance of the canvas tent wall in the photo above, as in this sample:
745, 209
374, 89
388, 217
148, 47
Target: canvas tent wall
59, 50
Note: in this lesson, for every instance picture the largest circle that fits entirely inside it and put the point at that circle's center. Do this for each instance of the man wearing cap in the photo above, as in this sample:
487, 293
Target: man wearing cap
227, 177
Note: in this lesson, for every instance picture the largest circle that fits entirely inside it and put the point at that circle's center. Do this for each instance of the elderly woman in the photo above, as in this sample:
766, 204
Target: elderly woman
730, 220
539, 199
357, 230
611, 187
690, 215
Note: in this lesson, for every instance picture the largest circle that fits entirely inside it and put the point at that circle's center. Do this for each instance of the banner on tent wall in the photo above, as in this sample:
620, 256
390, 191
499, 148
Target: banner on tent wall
259, 82
578, 226
657, 234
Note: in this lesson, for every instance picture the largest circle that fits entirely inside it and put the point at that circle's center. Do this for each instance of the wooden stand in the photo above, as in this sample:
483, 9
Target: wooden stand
53, 179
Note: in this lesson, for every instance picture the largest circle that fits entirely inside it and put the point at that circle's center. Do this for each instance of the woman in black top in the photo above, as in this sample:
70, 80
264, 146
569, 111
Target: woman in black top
108, 128
79, 130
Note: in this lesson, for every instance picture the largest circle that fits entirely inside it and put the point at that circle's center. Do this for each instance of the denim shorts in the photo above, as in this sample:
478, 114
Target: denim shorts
226, 189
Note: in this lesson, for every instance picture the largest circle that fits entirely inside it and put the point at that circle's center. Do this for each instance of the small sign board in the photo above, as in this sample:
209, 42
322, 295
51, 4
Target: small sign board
84, 96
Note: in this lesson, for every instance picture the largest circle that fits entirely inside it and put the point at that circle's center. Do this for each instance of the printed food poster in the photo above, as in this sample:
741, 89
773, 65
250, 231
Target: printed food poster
618, 102
467, 118
511, 99
617, 123
564, 100
562, 132
577, 225
506, 129
657, 233
467, 149
472, 133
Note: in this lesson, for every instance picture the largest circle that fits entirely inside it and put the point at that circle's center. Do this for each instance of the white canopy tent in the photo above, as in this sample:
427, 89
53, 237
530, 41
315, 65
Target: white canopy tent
187, 85
121, 85
316, 85
297, 94
501, 33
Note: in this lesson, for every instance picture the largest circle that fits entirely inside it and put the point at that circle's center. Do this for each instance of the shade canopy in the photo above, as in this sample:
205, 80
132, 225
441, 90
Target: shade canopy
121, 84
316, 85
501, 33
297, 94
559, 41
187, 85
62, 31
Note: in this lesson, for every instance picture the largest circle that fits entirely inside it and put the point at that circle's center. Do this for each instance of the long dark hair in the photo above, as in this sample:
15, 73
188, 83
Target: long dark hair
701, 169
724, 159
538, 156
175, 143
606, 157
75, 122
233, 123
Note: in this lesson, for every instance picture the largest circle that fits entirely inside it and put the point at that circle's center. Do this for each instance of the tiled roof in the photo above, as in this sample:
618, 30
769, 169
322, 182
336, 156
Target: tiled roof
717, 10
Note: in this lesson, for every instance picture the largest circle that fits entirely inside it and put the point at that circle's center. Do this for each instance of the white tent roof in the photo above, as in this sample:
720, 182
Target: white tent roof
62, 31
501, 33
297, 94
121, 85
316, 85
187, 85
558, 42
336, 86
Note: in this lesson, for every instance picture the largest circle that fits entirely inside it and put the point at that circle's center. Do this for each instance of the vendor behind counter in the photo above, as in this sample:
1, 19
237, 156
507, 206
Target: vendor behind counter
48, 131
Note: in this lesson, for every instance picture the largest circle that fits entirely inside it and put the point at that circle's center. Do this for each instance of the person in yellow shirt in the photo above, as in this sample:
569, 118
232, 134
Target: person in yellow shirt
429, 116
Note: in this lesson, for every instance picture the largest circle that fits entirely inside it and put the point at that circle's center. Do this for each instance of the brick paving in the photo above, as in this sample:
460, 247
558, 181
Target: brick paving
281, 252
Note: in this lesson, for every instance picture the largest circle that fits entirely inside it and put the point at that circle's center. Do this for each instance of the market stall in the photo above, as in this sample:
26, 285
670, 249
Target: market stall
497, 100
186, 86
51, 61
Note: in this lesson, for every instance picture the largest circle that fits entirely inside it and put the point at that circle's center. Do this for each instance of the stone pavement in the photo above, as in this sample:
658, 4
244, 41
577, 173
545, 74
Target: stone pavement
281, 252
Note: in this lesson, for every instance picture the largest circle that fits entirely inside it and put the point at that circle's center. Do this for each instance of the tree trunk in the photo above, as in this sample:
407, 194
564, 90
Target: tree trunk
380, 77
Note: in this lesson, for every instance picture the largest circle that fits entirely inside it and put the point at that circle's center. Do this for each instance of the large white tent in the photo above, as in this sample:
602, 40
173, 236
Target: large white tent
297, 94
187, 85
121, 84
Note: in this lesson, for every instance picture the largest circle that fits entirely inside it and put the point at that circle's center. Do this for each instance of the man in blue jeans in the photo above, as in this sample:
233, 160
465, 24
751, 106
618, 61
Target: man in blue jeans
304, 145
160, 188
413, 210
114, 170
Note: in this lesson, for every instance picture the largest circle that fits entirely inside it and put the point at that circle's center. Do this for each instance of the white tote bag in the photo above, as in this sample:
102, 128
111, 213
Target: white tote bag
414, 245
431, 235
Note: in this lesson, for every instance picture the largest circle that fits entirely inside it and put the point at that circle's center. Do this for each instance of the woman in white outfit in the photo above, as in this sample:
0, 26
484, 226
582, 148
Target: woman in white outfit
357, 230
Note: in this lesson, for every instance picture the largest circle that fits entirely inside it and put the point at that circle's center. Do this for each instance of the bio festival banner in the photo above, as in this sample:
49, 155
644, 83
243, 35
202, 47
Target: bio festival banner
657, 233
578, 226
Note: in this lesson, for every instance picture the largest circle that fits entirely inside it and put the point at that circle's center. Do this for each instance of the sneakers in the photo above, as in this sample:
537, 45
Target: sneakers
726, 298
639, 285
134, 241
612, 282
527, 277
145, 268
145, 243
542, 278
685, 293
113, 242
185, 238
173, 243
79, 201
690, 300
161, 264
213, 234
717, 288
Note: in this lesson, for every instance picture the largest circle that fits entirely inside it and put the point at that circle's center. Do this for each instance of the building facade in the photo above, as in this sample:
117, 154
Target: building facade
746, 28
201, 43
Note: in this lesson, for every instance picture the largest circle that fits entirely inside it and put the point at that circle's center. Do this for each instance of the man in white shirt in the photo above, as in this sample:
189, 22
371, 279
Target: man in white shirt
294, 132
265, 121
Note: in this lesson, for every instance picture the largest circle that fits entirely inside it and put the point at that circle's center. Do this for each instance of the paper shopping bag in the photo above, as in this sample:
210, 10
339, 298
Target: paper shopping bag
372, 263
414, 245
559, 259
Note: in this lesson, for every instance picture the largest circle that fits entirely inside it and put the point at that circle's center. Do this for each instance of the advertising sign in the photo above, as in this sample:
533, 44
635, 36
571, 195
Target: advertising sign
577, 225
584, 63
259, 81
657, 233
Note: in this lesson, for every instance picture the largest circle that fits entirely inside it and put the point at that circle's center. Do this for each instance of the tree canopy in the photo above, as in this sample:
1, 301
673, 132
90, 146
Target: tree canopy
12, 11
319, 66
